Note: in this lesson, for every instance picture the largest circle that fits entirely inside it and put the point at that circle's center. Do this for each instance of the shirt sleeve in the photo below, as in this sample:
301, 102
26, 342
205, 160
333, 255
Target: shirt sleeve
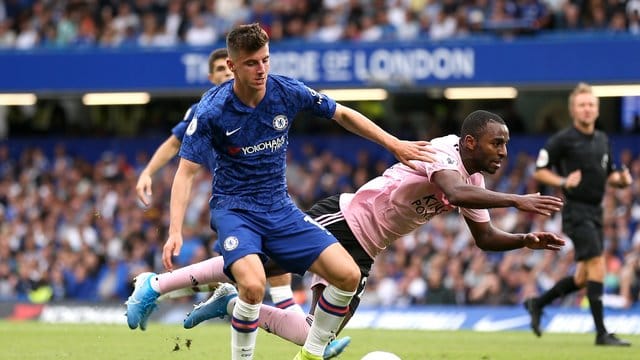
197, 140
549, 155
310, 100
181, 127
443, 161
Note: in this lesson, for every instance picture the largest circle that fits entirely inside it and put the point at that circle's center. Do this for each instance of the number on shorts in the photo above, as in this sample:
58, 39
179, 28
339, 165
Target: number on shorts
360, 291
308, 219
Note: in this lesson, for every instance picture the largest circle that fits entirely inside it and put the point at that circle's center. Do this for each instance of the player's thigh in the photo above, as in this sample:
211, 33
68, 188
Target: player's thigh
596, 268
338, 267
295, 241
237, 237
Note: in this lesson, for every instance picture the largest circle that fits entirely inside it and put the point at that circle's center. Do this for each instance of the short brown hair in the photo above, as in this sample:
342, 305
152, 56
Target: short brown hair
247, 38
216, 54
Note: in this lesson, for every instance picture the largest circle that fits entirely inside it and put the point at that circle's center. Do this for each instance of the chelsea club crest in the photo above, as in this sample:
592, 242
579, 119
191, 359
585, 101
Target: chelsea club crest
230, 243
280, 122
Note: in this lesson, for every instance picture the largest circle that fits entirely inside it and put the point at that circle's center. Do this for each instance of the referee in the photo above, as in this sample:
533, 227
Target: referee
578, 160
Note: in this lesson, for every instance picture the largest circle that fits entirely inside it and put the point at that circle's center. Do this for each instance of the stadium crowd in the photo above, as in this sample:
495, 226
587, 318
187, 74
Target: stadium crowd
73, 230
27, 24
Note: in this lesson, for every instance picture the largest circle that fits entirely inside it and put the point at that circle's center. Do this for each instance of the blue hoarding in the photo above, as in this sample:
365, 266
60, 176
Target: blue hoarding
544, 61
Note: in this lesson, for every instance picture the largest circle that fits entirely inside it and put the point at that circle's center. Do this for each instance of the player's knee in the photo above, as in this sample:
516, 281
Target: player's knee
580, 280
351, 279
252, 292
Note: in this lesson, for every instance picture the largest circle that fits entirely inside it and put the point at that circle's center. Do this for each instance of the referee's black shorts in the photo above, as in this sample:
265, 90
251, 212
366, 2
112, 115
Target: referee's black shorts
327, 213
582, 223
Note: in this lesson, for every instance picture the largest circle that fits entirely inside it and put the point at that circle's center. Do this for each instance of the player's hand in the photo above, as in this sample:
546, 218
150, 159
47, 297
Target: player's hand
539, 204
573, 180
405, 151
625, 177
543, 241
171, 248
143, 189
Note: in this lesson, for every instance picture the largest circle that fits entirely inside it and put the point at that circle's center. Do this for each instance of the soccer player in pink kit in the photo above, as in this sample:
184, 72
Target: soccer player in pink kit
401, 200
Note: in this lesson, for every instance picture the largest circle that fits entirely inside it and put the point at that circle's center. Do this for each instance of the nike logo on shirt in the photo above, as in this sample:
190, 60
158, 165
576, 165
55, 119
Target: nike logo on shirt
229, 133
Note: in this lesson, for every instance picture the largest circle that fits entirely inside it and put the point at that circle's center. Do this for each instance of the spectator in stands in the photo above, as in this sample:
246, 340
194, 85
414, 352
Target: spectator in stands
618, 23
28, 36
200, 33
330, 30
444, 26
125, 20
82, 24
630, 273
570, 17
150, 35
7, 35
436, 291
534, 14
595, 17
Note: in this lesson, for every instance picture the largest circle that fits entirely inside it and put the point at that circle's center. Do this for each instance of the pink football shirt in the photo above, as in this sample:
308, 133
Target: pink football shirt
402, 199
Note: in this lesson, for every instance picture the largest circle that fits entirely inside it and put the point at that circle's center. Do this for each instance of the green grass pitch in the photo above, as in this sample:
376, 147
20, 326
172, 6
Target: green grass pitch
33, 340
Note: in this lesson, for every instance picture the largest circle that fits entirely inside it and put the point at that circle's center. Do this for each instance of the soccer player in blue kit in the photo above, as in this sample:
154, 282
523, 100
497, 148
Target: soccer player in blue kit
280, 285
246, 123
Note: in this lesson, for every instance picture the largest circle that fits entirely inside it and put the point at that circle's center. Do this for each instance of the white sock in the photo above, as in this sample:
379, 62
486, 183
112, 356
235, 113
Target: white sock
329, 313
231, 305
282, 297
244, 330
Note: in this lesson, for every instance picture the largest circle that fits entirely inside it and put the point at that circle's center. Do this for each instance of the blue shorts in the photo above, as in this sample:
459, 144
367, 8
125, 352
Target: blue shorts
287, 236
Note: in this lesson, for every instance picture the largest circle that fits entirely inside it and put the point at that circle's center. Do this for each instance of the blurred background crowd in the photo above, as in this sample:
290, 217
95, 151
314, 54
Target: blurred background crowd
28, 24
71, 229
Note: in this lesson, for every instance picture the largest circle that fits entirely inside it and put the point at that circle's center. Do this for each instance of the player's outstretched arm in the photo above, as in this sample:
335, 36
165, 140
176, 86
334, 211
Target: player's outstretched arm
539, 204
490, 238
621, 178
403, 150
459, 193
180, 192
543, 241
165, 152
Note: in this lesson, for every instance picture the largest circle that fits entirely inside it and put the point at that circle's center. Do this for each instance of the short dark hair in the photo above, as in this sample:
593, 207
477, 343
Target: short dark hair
216, 54
475, 122
249, 38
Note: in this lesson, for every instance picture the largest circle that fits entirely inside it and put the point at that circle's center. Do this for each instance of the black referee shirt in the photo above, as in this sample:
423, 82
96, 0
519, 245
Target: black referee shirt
570, 150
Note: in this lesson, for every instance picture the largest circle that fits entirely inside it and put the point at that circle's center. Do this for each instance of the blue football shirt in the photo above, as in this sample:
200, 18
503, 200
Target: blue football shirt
181, 128
250, 143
